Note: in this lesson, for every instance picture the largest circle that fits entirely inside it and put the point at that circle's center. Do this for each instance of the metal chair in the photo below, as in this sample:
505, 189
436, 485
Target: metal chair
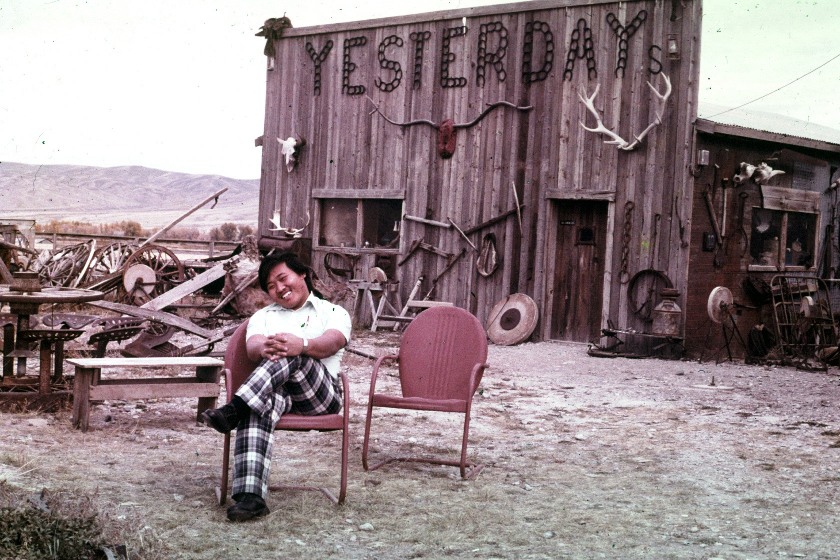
238, 366
442, 358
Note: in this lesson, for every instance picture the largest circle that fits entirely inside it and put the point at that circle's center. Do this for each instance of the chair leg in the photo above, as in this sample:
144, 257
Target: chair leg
222, 491
366, 438
345, 441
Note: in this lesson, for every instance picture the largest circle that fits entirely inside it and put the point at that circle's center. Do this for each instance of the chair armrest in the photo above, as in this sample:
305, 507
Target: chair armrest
345, 385
379, 362
476, 375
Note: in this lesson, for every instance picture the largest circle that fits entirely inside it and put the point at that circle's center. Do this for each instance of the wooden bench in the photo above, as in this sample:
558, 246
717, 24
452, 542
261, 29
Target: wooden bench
88, 385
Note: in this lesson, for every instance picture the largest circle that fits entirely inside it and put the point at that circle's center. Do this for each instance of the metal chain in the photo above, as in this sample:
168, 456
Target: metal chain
624, 276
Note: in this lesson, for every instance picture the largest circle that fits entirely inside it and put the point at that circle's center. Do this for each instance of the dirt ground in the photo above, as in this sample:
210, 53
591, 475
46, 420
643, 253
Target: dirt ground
585, 458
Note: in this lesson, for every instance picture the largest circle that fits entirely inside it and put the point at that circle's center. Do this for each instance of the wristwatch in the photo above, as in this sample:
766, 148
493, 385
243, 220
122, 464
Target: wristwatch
305, 344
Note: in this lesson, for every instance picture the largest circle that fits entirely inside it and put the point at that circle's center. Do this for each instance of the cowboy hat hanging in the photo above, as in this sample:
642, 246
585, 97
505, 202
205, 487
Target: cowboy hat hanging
512, 320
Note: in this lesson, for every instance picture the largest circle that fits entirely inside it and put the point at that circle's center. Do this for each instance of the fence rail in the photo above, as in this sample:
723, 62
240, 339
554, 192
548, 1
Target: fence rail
188, 247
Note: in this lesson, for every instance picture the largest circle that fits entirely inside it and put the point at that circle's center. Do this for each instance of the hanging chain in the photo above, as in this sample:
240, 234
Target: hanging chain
624, 276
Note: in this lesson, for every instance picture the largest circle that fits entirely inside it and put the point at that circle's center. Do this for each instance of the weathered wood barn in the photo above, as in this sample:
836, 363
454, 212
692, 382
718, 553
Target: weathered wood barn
541, 147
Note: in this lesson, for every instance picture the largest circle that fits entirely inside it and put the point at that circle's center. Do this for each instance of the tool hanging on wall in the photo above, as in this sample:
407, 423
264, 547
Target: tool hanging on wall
464, 235
657, 218
741, 231
426, 221
724, 185
718, 257
450, 262
420, 244
494, 221
518, 211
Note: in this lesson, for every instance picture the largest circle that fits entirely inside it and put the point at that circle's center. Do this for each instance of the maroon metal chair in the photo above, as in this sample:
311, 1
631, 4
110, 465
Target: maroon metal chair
237, 368
442, 358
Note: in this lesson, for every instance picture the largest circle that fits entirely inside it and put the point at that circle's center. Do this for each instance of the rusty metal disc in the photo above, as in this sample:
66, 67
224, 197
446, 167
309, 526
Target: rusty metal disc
512, 320
719, 302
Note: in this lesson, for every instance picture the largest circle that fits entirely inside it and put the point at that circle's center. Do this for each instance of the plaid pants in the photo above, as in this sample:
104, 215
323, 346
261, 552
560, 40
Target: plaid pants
301, 385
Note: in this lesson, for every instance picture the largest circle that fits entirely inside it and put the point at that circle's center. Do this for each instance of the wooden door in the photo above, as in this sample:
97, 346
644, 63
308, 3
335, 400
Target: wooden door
579, 270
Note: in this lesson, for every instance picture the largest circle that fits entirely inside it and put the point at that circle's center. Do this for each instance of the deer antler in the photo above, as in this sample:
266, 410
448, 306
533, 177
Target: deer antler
617, 140
290, 232
588, 102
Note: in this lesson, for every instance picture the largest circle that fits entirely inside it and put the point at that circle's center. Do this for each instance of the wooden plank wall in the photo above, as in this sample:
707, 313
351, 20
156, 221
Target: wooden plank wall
352, 148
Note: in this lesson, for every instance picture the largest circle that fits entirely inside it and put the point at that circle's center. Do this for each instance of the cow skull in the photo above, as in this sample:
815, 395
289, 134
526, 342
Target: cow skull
290, 148
764, 173
289, 232
747, 171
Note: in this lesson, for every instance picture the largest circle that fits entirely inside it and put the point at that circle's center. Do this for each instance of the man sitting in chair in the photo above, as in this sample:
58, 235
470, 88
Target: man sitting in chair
300, 339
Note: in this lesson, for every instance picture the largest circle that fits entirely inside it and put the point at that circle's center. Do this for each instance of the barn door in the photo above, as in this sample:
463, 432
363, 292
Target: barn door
579, 270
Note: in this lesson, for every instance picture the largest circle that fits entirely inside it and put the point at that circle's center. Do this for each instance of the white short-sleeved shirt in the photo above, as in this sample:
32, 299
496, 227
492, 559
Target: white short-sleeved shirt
313, 319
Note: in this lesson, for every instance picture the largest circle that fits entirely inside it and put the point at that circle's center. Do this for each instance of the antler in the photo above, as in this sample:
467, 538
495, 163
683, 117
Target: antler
290, 232
617, 140
588, 102
663, 98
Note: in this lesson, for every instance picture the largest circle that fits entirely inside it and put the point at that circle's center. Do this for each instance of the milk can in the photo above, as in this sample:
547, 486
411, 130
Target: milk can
666, 315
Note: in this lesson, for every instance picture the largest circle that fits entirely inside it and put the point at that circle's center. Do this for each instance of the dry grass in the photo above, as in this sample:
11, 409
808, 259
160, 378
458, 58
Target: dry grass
69, 525
585, 457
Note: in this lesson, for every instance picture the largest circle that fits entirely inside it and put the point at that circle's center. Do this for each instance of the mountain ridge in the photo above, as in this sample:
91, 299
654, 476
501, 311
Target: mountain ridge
152, 197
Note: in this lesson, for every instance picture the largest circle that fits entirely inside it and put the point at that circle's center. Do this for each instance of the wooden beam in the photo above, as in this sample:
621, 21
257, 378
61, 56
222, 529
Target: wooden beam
160, 316
183, 290
428, 222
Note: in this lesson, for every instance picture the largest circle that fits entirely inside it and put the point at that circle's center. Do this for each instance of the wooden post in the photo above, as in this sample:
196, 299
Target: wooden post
81, 396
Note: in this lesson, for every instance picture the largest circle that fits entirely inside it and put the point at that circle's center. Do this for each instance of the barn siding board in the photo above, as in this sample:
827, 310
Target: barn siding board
351, 147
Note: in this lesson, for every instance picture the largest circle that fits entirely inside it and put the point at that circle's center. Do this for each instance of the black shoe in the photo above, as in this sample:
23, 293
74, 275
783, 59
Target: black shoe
223, 419
248, 507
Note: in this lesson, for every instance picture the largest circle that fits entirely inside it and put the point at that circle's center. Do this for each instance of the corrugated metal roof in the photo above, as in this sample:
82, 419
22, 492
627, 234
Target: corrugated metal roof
770, 123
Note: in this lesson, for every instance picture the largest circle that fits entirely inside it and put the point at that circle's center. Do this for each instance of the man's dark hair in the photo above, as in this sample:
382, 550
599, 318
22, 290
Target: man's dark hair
295, 265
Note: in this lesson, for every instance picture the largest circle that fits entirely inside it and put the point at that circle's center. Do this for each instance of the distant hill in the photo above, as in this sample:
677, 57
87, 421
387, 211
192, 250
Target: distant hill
152, 197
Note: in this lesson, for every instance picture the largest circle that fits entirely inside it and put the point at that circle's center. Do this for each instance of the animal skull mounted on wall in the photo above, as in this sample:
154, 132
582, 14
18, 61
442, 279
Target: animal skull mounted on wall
290, 148
764, 173
747, 171
760, 173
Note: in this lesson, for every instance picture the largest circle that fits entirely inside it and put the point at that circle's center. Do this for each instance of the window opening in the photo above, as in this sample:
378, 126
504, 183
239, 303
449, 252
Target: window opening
782, 238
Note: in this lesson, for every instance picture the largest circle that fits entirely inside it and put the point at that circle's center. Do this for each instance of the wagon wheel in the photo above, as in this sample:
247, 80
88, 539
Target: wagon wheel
25, 256
65, 267
138, 284
105, 269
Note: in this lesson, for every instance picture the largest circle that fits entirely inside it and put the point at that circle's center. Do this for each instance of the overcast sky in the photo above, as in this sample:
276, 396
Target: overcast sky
179, 85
